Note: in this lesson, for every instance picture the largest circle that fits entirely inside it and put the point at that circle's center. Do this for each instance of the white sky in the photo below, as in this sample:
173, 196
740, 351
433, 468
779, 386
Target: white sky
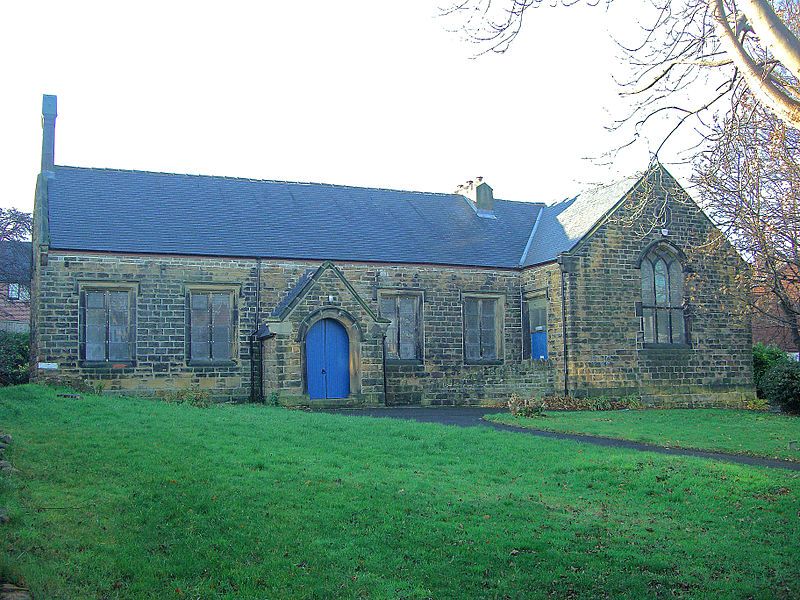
356, 92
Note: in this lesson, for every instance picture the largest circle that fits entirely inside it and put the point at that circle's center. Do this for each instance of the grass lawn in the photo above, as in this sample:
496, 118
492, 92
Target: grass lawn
737, 431
128, 498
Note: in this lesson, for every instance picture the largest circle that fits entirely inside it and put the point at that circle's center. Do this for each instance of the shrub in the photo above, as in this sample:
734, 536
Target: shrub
756, 404
781, 385
192, 396
632, 402
598, 403
14, 358
520, 406
764, 358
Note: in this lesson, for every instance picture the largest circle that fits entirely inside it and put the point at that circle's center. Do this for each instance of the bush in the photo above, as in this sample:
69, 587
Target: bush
764, 358
525, 407
781, 385
14, 358
192, 396
535, 407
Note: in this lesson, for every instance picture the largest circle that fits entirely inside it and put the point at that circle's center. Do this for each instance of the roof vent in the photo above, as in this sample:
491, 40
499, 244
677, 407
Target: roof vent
480, 196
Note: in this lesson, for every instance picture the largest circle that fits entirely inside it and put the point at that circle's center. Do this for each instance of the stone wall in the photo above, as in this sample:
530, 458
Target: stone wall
607, 353
160, 290
441, 377
161, 346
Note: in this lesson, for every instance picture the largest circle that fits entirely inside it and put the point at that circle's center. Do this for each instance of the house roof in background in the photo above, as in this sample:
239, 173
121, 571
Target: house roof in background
15, 262
144, 212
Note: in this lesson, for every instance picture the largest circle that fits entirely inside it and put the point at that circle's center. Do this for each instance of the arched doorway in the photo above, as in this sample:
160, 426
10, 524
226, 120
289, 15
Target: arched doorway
328, 360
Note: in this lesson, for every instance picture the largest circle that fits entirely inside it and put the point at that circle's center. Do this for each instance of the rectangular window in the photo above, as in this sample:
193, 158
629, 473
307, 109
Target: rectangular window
483, 330
13, 291
404, 335
107, 325
536, 334
211, 326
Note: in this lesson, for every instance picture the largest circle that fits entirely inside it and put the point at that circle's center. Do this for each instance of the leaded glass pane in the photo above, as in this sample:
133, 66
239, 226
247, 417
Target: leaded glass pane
95, 299
488, 342
118, 326
221, 326
663, 326
472, 340
649, 323
675, 284
388, 310
407, 311
199, 301
537, 314
648, 294
95, 326
678, 327
661, 288
200, 332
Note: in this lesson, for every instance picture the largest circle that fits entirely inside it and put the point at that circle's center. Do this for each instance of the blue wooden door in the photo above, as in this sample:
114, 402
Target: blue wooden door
328, 360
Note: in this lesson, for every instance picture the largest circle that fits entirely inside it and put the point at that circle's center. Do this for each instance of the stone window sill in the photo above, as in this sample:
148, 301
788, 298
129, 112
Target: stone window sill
682, 347
403, 361
107, 365
482, 363
212, 363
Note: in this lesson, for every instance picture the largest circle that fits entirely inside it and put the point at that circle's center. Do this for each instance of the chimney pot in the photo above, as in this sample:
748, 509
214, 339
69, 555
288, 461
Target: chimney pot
481, 196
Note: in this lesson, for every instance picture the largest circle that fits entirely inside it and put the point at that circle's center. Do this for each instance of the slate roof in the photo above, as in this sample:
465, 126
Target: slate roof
145, 212
562, 225
15, 262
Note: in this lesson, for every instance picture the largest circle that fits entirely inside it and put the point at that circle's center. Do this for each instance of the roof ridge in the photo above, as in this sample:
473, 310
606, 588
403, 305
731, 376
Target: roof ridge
256, 180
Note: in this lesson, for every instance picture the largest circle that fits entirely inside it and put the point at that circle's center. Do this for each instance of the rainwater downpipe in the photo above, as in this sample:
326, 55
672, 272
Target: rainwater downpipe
564, 267
385, 382
258, 325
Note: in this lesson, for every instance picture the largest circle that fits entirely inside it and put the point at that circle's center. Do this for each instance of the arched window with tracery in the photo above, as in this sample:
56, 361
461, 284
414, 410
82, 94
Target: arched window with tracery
662, 297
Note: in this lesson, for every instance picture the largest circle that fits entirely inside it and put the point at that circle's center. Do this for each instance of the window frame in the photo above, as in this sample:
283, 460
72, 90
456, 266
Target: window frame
669, 256
499, 326
209, 290
419, 338
107, 288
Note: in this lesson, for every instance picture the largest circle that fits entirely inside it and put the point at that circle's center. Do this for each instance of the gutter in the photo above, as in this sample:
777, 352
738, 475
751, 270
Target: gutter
530, 237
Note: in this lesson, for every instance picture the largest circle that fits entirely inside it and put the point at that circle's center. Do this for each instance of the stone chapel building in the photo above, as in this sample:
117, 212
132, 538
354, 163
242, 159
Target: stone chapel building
334, 295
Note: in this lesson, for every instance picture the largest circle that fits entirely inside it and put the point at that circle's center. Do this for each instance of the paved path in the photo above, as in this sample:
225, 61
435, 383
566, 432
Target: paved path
472, 417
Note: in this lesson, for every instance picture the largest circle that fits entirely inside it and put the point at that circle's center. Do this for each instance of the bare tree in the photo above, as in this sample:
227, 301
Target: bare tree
15, 225
749, 182
692, 54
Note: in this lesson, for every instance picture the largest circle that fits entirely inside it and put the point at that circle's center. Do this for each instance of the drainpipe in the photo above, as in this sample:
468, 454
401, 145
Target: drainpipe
385, 383
522, 316
254, 339
567, 265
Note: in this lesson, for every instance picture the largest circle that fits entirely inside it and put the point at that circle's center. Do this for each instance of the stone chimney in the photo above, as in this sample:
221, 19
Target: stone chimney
481, 196
49, 114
